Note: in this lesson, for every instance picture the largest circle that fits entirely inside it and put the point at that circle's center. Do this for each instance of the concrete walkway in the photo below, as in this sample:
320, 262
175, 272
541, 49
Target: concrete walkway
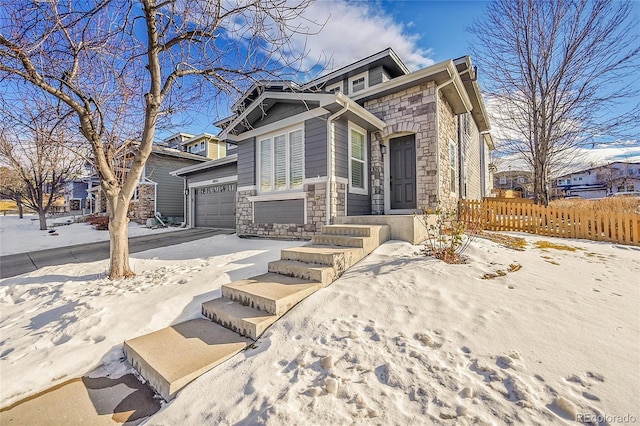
86, 401
22, 263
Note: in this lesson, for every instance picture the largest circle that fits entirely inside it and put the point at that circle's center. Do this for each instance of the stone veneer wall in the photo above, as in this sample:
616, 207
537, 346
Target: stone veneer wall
405, 112
316, 201
448, 131
144, 207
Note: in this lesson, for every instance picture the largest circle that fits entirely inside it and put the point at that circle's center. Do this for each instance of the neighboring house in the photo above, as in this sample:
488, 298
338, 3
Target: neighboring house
371, 138
158, 192
601, 181
204, 144
76, 193
517, 180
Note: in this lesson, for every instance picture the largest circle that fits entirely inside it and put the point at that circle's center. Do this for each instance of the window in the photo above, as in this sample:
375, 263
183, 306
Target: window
503, 180
201, 146
334, 88
631, 188
189, 148
281, 161
358, 175
452, 166
521, 179
358, 82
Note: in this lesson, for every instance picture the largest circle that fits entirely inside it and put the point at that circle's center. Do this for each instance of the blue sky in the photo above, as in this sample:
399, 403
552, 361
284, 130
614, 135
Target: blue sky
421, 32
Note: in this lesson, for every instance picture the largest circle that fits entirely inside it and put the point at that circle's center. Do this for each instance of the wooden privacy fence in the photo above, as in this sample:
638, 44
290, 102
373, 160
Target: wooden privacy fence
621, 228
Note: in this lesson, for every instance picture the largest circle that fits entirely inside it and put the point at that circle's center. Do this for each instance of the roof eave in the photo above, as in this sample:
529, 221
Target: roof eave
203, 166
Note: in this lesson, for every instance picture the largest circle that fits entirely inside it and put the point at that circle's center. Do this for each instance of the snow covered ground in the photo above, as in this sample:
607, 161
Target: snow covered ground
24, 235
399, 339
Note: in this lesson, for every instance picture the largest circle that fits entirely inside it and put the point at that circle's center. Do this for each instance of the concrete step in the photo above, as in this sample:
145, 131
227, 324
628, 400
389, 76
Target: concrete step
335, 256
353, 230
324, 274
242, 319
273, 293
340, 240
172, 357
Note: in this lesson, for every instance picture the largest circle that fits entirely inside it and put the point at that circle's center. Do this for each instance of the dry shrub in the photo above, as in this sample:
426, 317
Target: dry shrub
100, 223
611, 204
446, 238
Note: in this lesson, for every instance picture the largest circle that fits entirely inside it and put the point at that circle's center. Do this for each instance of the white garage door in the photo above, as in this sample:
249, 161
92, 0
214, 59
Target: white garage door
215, 206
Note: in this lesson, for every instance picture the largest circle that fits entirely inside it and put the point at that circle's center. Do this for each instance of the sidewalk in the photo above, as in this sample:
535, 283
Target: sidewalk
22, 263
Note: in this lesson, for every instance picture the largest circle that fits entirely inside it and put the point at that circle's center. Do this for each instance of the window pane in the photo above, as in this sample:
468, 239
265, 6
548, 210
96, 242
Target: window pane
280, 161
357, 145
295, 158
357, 174
265, 165
357, 85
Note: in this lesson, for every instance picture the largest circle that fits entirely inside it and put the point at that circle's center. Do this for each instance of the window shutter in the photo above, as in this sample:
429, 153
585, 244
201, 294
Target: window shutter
265, 165
280, 162
295, 158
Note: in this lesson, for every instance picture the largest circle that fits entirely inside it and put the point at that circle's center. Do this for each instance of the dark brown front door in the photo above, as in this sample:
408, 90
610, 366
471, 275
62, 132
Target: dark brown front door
402, 172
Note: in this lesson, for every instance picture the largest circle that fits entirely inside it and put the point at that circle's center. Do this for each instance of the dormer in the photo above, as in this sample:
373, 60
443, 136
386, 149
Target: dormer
359, 76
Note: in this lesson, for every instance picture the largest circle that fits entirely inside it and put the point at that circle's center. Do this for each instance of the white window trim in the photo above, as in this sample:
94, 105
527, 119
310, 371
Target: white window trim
284, 131
356, 77
365, 176
335, 86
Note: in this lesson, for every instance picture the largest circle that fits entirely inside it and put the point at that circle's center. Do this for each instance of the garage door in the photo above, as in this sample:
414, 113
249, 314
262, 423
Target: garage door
215, 206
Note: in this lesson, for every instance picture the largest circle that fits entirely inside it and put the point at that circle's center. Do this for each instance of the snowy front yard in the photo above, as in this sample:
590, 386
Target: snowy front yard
399, 339
24, 235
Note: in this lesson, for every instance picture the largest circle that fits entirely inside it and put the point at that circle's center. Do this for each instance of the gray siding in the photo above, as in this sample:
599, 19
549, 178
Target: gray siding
342, 148
315, 147
170, 189
358, 205
246, 162
217, 173
472, 161
375, 75
285, 211
280, 111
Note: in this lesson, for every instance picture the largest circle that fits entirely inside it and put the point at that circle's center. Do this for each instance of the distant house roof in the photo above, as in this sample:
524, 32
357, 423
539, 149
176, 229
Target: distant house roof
172, 152
204, 166
193, 139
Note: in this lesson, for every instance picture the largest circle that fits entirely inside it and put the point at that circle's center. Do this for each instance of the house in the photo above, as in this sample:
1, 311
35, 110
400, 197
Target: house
600, 181
158, 192
204, 144
516, 180
369, 139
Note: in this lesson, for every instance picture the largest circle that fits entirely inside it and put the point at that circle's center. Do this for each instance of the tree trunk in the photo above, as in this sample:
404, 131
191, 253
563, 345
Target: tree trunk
119, 241
20, 209
42, 215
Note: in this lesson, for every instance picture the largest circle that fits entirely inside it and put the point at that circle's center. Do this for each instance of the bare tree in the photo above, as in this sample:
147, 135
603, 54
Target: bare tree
12, 187
36, 145
558, 73
124, 66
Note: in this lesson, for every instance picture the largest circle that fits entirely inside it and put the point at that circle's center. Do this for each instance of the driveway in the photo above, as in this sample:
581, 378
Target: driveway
21, 263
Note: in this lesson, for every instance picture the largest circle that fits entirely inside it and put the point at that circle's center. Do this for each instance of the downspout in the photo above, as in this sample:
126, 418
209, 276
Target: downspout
186, 200
330, 158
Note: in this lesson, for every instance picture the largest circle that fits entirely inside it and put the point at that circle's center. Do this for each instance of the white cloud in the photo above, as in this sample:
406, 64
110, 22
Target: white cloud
355, 30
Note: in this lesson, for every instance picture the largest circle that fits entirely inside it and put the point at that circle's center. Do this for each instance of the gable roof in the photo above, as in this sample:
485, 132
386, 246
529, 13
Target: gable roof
318, 104
387, 58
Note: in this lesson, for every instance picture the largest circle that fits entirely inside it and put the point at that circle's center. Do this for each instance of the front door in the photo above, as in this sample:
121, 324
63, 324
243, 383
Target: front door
402, 172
